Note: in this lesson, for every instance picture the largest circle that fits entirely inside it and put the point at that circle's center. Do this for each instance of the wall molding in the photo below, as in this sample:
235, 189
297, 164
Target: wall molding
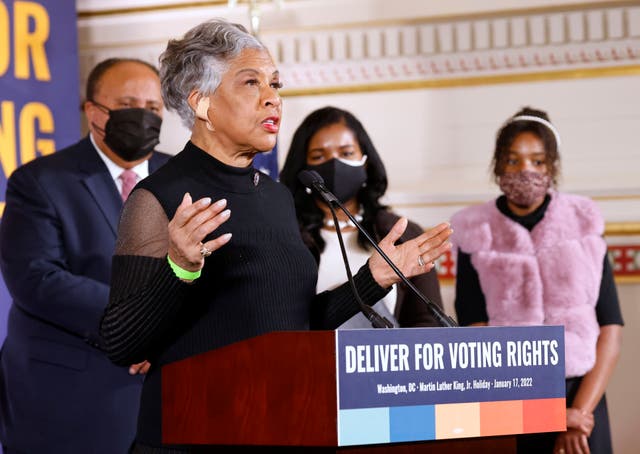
506, 46
510, 47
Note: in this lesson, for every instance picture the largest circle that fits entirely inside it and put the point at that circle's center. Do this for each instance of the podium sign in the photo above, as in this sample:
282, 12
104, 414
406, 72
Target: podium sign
418, 384
364, 387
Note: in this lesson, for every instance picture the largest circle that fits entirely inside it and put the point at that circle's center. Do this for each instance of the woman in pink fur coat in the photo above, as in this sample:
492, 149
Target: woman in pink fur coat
537, 256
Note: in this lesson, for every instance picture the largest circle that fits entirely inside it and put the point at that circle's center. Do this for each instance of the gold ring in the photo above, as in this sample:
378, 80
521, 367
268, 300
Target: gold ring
204, 251
420, 261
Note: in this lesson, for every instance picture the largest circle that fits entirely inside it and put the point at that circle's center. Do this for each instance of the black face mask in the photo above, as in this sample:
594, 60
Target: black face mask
132, 133
342, 179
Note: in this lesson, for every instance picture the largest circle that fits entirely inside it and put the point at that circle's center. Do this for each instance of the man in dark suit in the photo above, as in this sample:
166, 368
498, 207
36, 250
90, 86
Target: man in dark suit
59, 393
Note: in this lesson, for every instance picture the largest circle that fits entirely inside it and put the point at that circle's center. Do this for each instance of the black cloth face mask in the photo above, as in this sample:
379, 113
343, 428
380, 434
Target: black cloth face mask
343, 180
131, 133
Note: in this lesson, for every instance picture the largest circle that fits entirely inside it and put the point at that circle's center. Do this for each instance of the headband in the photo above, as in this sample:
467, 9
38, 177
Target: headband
542, 121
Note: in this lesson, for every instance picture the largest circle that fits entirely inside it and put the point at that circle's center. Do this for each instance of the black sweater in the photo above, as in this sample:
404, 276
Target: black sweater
263, 280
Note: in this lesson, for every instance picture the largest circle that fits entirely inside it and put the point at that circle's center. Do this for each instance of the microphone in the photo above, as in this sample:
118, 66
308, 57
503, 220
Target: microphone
308, 178
313, 180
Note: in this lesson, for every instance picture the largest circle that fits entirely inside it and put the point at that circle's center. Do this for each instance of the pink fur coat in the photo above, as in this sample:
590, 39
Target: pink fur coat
549, 276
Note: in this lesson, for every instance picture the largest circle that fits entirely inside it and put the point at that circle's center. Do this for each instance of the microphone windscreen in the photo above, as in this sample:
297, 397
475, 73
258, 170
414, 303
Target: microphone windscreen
309, 178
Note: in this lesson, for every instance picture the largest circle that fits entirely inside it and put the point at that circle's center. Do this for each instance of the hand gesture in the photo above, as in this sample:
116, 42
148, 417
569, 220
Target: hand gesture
192, 222
412, 257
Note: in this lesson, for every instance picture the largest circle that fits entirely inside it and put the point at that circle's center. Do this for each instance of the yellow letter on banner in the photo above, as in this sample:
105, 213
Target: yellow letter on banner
25, 42
28, 143
8, 149
4, 39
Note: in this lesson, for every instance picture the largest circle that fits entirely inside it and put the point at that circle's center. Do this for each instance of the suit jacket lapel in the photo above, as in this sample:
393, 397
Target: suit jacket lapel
101, 186
155, 161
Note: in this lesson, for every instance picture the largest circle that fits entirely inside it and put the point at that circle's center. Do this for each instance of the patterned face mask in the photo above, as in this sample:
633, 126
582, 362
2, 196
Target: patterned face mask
524, 188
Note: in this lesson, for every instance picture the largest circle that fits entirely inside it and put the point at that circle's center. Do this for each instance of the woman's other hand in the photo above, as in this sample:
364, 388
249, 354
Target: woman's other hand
573, 441
412, 257
580, 420
192, 222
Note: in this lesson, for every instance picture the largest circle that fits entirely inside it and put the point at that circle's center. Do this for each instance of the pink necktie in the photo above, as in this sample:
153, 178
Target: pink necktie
129, 180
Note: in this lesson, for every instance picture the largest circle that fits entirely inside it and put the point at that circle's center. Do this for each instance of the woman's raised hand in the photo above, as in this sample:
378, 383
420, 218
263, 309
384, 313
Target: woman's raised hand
412, 257
192, 222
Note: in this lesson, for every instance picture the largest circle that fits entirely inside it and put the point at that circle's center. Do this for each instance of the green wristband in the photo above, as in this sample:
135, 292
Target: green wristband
182, 273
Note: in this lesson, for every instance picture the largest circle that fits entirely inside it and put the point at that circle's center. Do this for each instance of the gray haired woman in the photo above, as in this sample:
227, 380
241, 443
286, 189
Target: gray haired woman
209, 251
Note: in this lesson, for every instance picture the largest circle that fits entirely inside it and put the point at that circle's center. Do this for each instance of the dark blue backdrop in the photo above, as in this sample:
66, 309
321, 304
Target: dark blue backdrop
39, 94
268, 162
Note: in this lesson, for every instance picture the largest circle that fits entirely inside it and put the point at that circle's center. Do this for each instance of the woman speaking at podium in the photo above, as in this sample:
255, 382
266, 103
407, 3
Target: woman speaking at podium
209, 251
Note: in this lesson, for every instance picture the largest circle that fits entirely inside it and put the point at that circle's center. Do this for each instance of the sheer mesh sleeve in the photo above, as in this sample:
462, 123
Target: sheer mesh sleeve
143, 227
145, 296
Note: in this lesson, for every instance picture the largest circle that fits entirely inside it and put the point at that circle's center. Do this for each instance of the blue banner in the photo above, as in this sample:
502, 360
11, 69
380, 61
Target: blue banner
388, 368
417, 384
39, 89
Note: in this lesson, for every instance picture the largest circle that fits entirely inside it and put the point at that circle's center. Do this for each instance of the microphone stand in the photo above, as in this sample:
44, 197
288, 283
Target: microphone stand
311, 178
438, 313
377, 320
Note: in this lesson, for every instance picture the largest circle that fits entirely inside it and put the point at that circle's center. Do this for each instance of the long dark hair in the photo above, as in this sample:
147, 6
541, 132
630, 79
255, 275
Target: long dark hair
310, 216
512, 129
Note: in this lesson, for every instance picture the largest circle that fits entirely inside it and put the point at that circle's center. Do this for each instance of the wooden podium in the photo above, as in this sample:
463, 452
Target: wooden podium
278, 389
